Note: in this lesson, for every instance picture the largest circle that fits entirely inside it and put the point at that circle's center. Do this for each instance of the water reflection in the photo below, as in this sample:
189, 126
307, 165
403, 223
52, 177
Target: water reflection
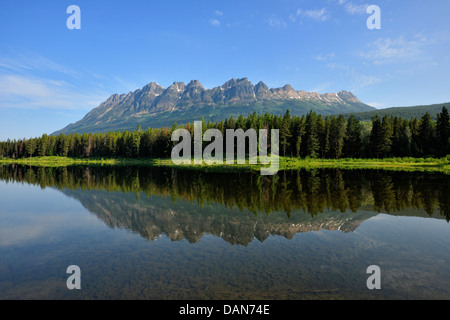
206, 225
240, 207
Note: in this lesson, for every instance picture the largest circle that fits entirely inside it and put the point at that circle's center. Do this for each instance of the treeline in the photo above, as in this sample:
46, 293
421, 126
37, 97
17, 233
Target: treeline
311, 135
402, 112
311, 191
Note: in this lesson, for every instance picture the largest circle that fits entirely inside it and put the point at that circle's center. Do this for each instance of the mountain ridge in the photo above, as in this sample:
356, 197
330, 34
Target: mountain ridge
406, 112
156, 106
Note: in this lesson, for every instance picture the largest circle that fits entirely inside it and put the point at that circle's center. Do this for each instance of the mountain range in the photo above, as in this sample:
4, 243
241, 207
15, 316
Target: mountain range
153, 217
402, 112
156, 106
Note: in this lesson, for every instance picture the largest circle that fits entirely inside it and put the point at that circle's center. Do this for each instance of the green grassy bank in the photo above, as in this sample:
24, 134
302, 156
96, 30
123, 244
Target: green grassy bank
406, 164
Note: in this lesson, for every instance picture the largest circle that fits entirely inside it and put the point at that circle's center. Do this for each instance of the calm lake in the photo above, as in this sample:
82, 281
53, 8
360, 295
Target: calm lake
161, 233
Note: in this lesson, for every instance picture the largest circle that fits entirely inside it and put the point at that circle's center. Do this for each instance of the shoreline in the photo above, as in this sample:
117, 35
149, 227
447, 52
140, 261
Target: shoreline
285, 163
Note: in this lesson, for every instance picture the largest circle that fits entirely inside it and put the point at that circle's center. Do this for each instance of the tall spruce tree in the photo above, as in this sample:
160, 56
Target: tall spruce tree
387, 131
426, 135
337, 136
376, 138
443, 132
312, 139
285, 133
352, 143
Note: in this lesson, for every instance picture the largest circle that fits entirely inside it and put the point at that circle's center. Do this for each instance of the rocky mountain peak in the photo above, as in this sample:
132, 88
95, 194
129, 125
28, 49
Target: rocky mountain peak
194, 84
347, 96
288, 88
153, 100
114, 98
262, 91
178, 86
229, 84
153, 87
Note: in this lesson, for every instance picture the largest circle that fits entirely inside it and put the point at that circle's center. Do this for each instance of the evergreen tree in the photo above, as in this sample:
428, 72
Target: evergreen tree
415, 141
352, 142
426, 135
323, 134
337, 136
285, 133
30, 147
401, 140
298, 134
42, 146
387, 132
443, 132
136, 142
312, 139
376, 138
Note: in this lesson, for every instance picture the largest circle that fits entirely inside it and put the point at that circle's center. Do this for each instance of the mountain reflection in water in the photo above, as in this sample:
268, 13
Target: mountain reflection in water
241, 206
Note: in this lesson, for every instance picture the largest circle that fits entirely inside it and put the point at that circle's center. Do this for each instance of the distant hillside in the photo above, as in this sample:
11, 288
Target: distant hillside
402, 112
155, 106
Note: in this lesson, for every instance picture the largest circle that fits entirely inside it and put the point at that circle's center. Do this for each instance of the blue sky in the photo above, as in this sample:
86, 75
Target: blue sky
51, 76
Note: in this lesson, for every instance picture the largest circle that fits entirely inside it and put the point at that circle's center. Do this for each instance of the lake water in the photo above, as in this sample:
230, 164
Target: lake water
159, 233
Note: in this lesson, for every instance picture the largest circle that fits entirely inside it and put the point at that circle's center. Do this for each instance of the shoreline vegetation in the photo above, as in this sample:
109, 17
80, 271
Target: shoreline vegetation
285, 163
307, 141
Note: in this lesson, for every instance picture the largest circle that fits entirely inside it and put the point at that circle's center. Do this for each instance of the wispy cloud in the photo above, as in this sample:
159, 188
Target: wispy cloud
276, 23
25, 92
352, 8
214, 22
325, 57
390, 50
318, 14
36, 82
356, 80
24, 63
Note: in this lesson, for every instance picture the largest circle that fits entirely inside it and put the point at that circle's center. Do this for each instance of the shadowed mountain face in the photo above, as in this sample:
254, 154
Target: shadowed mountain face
156, 106
240, 207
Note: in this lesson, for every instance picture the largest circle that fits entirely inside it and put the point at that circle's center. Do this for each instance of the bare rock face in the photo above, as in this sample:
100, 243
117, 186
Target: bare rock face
240, 90
262, 91
153, 100
347, 96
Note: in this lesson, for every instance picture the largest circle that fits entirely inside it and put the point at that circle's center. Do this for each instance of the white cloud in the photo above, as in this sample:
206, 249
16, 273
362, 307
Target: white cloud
355, 79
218, 13
325, 57
318, 14
28, 82
275, 22
214, 22
18, 91
353, 9
35, 63
388, 50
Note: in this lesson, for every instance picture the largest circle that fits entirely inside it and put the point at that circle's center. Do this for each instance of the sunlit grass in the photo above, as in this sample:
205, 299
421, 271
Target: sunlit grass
405, 164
